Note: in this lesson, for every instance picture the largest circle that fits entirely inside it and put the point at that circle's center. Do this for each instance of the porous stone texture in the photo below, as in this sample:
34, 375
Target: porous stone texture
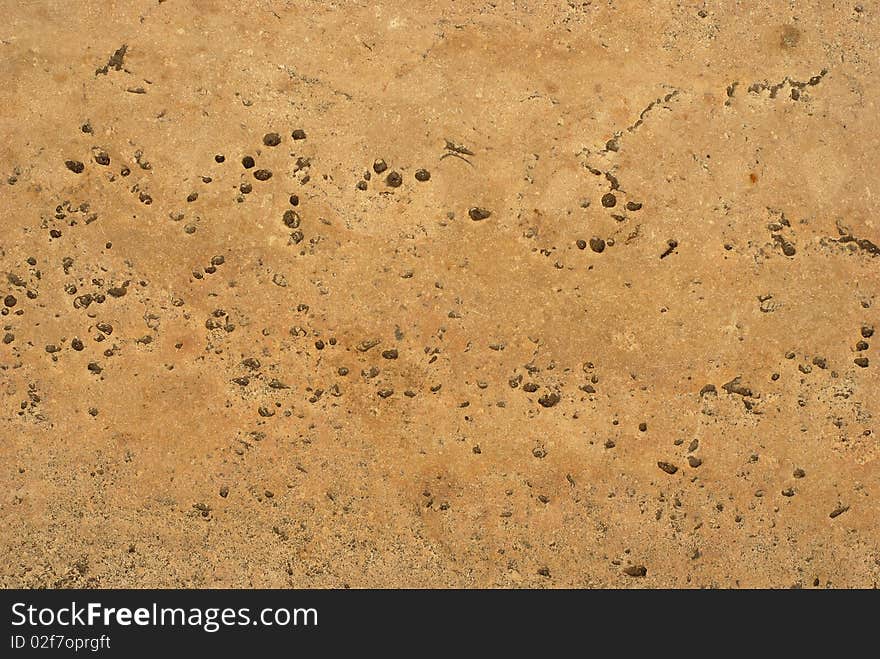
619, 333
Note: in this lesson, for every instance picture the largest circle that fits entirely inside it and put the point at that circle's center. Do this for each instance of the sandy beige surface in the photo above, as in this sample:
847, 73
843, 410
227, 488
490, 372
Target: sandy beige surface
622, 335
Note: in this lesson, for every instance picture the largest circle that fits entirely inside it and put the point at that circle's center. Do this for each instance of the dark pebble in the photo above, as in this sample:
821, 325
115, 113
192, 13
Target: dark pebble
422, 175
609, 200
549, 399
219, 158
298, 134
390, 354
75, 166
477, 213
633, 206
291, 219
669, 468
77, 345
581, 244
10, 301
361, 185
861, 362
271, 139
635, 570
380, 166
263, 174
247, 162
867, 331
245, 188
102, 158
597, 245
294, 200
393, 180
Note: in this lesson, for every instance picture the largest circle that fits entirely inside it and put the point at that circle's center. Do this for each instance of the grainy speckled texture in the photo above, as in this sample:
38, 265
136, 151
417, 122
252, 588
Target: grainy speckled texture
747, 131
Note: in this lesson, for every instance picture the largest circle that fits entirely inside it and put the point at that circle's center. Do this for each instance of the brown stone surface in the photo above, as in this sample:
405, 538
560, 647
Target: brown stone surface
521, 408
